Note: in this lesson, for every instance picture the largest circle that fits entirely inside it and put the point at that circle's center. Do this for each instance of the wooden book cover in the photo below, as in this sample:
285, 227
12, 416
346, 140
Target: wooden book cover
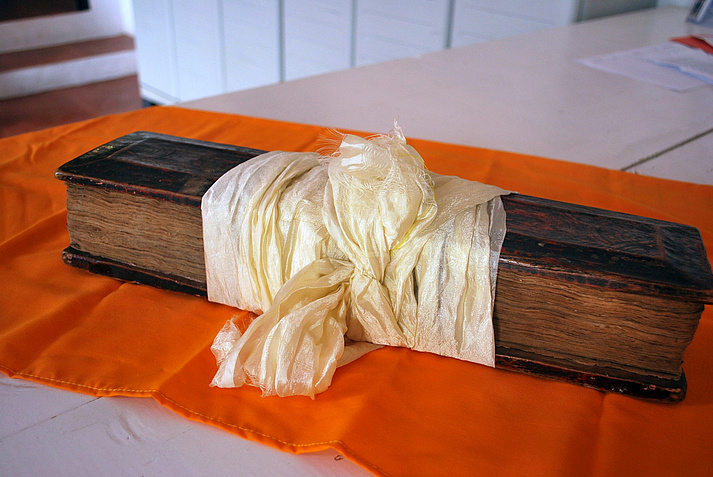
594, 297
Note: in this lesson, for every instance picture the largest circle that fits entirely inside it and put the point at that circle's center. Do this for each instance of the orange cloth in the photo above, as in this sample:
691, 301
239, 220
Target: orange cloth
394, 411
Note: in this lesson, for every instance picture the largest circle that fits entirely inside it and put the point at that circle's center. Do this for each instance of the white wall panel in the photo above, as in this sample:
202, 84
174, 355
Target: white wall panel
482, 20
399, 28
155, 50
189, 49
317, 36
552, 12
199, 48
252, 43
473, 26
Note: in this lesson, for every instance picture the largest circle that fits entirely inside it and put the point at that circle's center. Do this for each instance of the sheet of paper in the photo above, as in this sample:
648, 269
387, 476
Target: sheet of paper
690, 61
635, 64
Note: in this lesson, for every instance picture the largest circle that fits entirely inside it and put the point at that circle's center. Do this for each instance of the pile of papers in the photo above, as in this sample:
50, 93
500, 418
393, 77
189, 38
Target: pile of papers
680, 65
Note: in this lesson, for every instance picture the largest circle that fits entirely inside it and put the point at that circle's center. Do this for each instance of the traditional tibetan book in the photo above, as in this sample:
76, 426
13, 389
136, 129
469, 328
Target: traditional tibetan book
589, 296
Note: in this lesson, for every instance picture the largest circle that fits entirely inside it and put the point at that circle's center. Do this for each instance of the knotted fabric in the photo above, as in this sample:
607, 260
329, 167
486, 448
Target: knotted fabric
341, 254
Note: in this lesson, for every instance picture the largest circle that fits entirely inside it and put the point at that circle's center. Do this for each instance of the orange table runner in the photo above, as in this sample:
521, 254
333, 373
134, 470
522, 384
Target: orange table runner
394, 411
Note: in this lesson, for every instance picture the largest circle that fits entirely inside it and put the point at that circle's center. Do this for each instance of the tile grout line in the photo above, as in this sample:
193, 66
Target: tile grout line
653, 156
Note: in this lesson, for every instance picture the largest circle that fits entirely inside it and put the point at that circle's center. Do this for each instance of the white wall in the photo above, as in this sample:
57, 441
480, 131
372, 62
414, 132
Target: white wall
105, 18
127, 15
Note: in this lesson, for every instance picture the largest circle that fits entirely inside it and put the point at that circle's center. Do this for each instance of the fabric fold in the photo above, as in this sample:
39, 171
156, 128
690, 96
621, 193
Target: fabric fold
365, 246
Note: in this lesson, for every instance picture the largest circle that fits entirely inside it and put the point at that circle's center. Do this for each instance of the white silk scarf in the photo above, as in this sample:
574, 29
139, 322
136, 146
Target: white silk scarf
341, 254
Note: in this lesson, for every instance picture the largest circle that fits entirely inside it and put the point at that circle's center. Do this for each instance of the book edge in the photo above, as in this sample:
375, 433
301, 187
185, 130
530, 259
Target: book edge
655, 389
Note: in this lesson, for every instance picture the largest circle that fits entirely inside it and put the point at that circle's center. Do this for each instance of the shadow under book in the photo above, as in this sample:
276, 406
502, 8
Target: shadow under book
589, 296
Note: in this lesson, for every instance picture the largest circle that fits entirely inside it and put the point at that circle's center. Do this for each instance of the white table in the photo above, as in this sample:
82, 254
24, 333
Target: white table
46, 431
522, 94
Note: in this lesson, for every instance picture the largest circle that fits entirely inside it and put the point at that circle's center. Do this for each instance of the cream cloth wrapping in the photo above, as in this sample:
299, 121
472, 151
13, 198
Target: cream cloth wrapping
366, 247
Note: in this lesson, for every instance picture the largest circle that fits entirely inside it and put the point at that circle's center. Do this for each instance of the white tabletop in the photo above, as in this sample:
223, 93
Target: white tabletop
46, 431
523, 94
